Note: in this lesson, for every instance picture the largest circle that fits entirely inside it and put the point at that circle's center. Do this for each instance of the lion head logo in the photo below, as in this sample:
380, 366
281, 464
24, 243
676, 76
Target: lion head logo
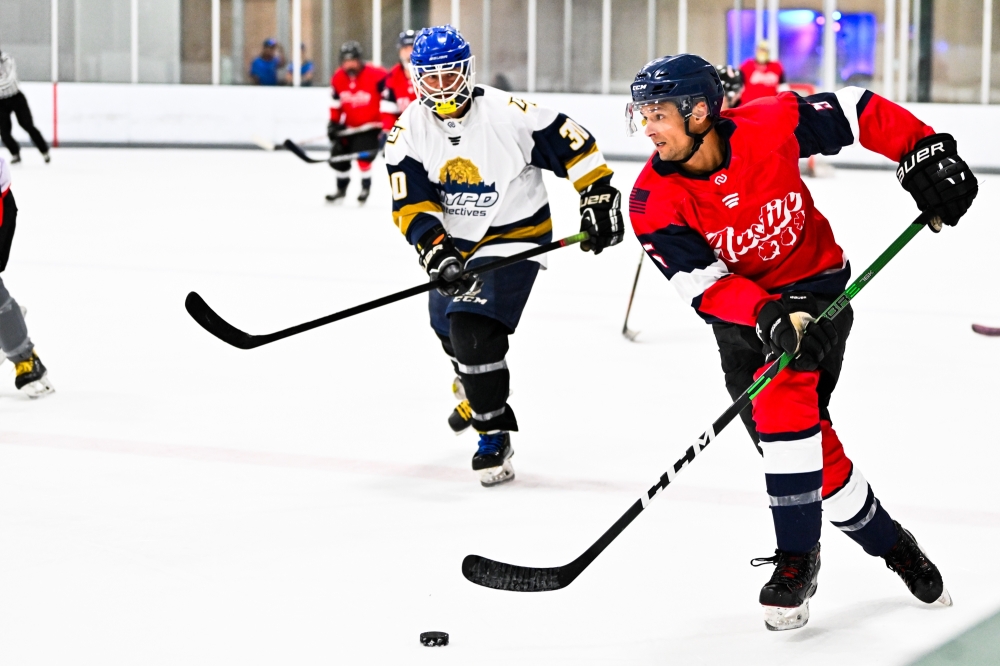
460, 171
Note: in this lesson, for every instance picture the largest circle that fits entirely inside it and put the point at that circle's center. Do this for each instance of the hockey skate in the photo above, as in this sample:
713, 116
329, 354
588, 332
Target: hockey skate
32, 377
785, 597
337, 196
46, 157
14, 159
492, 460
911, 563
363, 194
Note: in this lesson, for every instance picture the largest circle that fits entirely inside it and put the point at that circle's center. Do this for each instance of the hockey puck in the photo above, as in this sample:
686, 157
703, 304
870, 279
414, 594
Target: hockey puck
434, 638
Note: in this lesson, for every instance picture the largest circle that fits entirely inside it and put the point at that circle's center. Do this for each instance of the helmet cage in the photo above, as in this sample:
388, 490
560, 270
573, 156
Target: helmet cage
685, 104
428, 83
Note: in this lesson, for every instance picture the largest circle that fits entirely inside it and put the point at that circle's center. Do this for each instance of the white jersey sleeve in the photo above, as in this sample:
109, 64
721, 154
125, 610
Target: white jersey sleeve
4, 177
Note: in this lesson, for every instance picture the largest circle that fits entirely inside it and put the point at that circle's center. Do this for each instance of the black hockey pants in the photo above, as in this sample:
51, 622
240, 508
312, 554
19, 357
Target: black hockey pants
18, 105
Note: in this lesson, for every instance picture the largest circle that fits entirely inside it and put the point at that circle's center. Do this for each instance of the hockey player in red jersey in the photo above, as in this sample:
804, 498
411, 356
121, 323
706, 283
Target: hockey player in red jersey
723, 213
762, 76
356, 124
398, 92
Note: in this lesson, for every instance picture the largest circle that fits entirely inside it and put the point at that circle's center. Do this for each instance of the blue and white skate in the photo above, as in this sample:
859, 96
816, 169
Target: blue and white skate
492, 459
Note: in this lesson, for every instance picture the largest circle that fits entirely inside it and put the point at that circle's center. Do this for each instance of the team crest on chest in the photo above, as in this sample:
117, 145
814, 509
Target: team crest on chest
462, 189
779, 225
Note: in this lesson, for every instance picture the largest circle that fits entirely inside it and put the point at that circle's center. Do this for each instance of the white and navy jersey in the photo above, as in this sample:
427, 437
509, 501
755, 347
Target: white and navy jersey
8, 77
480, 176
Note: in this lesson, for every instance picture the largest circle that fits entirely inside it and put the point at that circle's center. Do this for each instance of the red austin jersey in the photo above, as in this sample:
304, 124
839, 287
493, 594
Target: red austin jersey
398, 94
356, 101
731, 240
761, 80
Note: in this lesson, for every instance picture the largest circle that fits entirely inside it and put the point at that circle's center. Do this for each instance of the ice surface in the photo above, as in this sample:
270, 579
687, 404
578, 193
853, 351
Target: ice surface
179, 501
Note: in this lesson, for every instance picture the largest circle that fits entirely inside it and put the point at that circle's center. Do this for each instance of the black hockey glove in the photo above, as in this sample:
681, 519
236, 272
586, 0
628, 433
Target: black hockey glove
333, 130
441, 259
793, 326
601, 217
938, 179
775, 329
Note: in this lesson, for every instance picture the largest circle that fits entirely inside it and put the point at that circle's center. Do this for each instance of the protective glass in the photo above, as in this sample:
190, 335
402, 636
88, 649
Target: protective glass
635, 120
446, 87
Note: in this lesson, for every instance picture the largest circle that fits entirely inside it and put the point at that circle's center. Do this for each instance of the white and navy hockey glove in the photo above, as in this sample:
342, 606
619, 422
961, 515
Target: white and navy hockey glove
442, 260
601, 217
938, 179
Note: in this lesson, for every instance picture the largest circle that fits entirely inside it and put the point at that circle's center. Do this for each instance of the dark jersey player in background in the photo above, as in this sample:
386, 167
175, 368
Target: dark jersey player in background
723, 213
356, 123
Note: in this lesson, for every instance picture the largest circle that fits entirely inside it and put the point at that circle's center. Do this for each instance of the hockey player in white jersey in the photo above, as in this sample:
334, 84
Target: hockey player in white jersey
465, 166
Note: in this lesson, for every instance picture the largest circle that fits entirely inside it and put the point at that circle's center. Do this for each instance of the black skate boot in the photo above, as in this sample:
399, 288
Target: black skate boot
46, 157
32, 377
785, 598
366, 189
14, 159
492, 460
911, 563
341, 192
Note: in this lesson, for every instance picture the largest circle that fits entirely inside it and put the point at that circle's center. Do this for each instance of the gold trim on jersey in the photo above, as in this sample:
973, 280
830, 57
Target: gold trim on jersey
592, 177
576, 158
404, 216
520, 233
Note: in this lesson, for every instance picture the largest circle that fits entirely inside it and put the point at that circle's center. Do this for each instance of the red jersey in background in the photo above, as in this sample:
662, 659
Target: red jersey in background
397, 95
761, 80
356, 101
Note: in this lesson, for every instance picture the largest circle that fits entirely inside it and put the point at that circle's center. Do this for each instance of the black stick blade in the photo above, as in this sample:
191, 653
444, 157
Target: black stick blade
216, 325
298, 152
499, 576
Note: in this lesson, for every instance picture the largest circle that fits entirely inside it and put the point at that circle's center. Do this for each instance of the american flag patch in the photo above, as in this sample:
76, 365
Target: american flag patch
637, 201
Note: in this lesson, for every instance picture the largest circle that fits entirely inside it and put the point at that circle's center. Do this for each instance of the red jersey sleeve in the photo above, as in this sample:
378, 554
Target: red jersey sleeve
686, 259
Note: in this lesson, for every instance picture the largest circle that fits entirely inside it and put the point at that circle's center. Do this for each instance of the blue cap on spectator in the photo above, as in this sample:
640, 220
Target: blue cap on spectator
270, 42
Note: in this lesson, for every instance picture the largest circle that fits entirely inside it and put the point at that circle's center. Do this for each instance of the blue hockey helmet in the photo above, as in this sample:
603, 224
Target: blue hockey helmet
683, 80
443, 69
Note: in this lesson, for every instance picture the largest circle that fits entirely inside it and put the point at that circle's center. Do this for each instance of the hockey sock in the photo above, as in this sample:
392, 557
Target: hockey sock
366, 183
481, 346
342, 183
14, 338
449, 350
849, 503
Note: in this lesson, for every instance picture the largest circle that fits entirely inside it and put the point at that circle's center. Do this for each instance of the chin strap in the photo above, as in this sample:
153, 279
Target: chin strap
698, 138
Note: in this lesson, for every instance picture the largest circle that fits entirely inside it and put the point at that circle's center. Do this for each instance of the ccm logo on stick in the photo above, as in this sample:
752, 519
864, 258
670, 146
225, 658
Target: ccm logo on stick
922, 154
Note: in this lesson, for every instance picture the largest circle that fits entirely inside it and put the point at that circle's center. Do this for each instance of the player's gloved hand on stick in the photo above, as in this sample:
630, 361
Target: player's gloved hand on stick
601, 217
333, 129
442, 260
798, 332
938, 179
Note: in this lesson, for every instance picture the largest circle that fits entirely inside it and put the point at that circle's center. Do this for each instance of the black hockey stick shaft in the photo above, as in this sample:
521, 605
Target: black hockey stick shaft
301, 154
220, 328
501, 576
628, 311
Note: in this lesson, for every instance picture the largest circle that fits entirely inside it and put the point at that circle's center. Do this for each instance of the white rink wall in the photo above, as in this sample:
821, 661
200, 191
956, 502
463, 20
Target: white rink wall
234, 116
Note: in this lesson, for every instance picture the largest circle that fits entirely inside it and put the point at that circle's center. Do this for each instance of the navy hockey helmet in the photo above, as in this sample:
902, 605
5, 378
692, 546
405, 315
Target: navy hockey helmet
683, 80
443, 69
406, 38
350, 51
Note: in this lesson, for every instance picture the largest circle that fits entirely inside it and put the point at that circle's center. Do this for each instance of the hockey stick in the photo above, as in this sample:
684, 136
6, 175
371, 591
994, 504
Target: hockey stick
500, 576
631, 335
986, 330
220, 328
301, 154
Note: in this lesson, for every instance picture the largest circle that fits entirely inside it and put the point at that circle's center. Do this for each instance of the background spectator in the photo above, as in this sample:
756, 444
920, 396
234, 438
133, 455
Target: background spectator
266, 69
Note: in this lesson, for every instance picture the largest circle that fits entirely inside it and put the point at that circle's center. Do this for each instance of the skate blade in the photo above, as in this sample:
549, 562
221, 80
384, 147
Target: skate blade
779, 618
945, 598
494, 476
38, 388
